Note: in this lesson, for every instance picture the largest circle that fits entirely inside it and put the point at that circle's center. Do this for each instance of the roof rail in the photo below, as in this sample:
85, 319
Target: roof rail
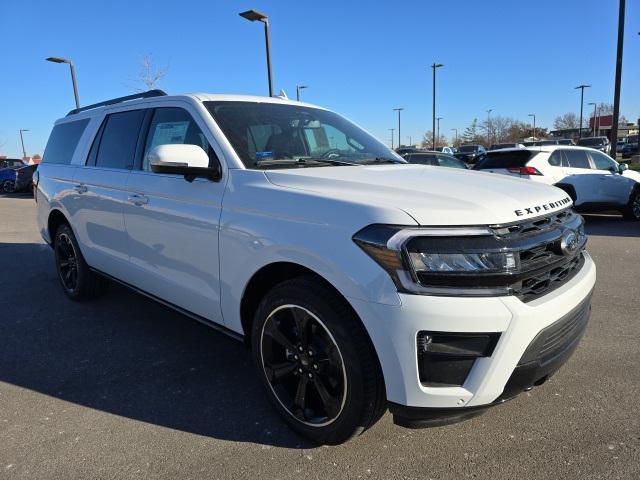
148, 94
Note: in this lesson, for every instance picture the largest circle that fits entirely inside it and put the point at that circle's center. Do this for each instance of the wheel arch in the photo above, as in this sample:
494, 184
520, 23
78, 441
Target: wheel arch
55, 219
569, 189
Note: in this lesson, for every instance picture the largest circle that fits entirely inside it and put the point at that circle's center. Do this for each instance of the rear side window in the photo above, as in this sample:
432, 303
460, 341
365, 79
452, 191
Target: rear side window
603, 162
445, 161
556, 159
118, 143
506, 159
63, 141
577, 158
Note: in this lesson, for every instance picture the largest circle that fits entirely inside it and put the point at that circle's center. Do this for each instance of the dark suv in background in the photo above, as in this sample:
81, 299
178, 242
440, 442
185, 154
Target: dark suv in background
471, 153
599, 143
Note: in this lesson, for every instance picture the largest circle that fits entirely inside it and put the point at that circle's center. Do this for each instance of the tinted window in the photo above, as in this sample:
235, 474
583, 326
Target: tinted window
577, 158
590, 141
506, 159
450, 162
421, 159
556, 159
468, 148
548, 142
63, 142
118, 144
602, 161
173, 126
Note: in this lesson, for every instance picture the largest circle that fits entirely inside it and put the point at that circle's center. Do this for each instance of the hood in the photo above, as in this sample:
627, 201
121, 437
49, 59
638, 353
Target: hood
431, 195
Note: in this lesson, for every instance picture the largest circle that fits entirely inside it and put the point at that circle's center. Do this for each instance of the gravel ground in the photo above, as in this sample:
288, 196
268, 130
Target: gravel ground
124, 388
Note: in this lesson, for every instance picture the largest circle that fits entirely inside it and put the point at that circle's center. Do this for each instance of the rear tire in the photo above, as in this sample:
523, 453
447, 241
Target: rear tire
78, 281
316, 362
8, 186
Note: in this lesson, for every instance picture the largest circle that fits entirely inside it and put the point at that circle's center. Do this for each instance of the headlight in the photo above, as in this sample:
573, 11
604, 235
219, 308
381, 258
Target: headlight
473, 261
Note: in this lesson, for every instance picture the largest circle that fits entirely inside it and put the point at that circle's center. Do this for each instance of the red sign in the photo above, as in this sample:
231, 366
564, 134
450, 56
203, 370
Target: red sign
601, 121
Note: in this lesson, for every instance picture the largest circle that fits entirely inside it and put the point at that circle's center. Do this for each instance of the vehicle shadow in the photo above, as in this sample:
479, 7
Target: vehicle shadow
129, 356
610, 225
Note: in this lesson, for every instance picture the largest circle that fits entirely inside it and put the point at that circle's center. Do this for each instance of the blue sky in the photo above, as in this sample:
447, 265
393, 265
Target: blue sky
359, 58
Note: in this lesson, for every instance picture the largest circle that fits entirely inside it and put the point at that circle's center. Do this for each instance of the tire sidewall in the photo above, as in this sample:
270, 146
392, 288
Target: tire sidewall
346, 424
81, 265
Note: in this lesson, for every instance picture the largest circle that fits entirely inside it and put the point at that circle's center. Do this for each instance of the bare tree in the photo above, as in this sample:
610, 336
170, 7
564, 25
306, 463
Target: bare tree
149, 76
566, 121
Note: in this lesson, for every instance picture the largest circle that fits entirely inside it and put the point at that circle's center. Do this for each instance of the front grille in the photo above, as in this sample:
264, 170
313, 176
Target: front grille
539, 285
536, 225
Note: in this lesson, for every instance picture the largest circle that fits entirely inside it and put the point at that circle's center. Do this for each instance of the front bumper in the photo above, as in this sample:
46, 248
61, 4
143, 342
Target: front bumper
393, 330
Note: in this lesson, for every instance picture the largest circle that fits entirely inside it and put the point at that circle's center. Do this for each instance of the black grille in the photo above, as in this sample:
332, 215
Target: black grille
536, 225
539, 285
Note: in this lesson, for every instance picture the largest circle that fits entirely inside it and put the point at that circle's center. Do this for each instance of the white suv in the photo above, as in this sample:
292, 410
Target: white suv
594, 180
359, 282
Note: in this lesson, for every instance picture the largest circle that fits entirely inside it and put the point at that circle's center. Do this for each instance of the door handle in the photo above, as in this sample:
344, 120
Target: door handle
138, 199
80, 188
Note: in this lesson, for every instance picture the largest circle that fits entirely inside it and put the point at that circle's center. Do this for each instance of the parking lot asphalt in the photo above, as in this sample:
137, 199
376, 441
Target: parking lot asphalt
122, 387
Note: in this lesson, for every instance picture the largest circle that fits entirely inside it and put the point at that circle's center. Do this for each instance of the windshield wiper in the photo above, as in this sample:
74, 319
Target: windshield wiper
300, 162
369, 161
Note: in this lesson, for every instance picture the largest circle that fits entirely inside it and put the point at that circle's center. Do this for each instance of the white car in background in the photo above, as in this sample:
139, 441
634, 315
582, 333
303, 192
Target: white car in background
594, 180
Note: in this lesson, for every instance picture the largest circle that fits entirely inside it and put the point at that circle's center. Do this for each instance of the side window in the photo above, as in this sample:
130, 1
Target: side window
449, 162
555, 160
577, 158
93, 153
603, 162
423, 159
118, 144
172, 125
63, 142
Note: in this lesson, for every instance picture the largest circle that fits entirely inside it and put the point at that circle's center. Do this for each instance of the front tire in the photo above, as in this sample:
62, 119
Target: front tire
316, 363
632, 212
8, 186
78, 281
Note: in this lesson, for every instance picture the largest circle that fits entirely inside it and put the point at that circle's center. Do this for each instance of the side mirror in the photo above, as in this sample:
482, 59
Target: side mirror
182, 159
623, 167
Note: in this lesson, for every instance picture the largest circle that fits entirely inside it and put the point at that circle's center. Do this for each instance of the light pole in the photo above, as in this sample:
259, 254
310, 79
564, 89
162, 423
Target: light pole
252, 16
581, 87
298, 88
392, 130
534, 124
489, 127
399, 109
438, 130
24, 152
616, 93
595, 105
433, 128
456, 140
73, 75
410, 142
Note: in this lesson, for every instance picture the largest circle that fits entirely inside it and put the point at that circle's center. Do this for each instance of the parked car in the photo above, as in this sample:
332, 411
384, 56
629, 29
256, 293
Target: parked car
630, 147
11, 163
565, 141
471, 153
449, 150
599, 143
403, 150
8, 179
498, 146
24, 178
358, 281
594, 180
435, 159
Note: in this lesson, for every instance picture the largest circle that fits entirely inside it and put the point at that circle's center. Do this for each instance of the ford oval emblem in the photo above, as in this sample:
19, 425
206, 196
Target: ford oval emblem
569, 243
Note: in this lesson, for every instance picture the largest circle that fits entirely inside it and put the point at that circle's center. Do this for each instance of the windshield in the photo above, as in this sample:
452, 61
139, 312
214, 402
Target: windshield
468, 148
272, 135
591, 141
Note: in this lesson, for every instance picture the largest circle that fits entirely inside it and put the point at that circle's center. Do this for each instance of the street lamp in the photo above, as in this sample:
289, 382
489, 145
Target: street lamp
581, 87
392, 130
24, 152
399, 109
595, 105
455, 130
73, 75
489, 127
618, 78
410, 142
298, 88
534, 124
438, 130
252, 16
433, 128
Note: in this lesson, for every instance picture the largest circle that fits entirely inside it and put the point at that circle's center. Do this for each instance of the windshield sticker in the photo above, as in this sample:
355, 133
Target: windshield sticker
169, 133
264, 155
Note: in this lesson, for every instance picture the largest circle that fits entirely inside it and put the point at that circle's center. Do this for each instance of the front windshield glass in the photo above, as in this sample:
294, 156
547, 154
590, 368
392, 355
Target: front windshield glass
468, 148
273, 135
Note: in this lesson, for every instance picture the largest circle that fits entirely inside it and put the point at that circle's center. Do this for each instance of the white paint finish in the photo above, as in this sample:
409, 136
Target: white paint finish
172, 239
187, 155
